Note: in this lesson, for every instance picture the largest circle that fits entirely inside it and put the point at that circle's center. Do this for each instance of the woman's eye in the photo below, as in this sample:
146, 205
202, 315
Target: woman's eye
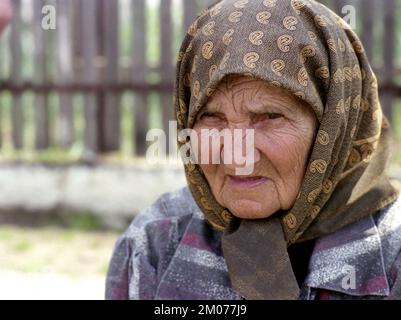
271, 116
274, 115
209, 116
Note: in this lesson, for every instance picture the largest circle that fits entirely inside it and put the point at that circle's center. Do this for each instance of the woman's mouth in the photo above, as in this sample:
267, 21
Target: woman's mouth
247, 182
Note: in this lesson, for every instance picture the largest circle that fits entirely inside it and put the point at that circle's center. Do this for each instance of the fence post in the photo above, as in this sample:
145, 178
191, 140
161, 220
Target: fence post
368, 8
139, 69
338, 6
89, 76
17, 117
190, 11
111, 111
166, 67
387, 98
40, 77
65, 69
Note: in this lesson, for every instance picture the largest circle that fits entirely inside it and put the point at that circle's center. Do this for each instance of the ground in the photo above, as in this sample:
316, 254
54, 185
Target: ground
53, 263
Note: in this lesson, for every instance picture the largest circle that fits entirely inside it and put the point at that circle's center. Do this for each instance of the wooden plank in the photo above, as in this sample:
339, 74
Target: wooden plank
77, 37
111, 112
41, 101
338, 6
89, 75
65, 70
367, 8
166, 65
138, 75
17, 118
80, 86
203, 4
190, 12
389, 48
141, 126
99, 64
328, 3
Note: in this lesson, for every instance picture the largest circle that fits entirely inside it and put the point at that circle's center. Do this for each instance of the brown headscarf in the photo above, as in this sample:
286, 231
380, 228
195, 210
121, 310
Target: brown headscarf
303, 47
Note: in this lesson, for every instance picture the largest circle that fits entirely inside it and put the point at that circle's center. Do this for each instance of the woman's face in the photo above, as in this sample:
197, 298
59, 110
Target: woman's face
284, 129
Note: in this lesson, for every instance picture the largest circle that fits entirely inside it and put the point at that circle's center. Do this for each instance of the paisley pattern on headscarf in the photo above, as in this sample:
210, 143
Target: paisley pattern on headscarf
303, 47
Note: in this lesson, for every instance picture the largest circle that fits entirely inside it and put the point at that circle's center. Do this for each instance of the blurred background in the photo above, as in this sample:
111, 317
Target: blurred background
81, 83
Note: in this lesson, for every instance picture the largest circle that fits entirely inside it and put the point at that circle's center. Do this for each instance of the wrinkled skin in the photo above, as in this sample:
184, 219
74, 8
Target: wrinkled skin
284, 131
5, 14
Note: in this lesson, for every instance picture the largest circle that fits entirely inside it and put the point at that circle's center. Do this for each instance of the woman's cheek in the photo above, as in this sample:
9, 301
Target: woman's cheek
286, 150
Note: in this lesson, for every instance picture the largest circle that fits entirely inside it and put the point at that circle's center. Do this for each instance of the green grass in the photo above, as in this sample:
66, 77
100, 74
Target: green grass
22, 246
5, 234
84, 222
71, 252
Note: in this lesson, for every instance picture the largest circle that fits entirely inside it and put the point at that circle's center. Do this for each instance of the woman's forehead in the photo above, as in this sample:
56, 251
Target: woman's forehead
249, 87
253, 94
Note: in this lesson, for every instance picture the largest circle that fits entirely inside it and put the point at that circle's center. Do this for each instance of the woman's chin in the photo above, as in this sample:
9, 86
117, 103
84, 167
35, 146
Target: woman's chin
249, 209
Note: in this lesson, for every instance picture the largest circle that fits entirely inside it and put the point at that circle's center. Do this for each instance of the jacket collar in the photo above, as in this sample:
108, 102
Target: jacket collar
350, 261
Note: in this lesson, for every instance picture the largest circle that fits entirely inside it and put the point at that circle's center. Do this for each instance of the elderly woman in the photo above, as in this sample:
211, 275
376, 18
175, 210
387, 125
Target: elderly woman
318, 217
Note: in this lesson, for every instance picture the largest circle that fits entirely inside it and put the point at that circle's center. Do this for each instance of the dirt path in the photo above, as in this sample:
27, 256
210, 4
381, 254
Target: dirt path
53, 263
48, 286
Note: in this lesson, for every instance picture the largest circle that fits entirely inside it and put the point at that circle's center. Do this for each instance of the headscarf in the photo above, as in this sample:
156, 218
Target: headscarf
305, 48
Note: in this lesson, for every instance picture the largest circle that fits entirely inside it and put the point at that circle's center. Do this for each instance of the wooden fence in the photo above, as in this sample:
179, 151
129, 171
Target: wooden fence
102, 49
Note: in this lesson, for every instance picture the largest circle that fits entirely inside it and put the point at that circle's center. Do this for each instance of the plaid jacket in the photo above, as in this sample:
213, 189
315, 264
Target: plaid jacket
171, 252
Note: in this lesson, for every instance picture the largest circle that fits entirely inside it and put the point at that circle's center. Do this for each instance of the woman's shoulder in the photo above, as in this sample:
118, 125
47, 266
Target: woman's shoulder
388, 222
157, 230
145, 250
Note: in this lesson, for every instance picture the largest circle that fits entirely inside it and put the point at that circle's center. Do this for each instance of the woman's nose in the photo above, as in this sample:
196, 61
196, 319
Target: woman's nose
240, 150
